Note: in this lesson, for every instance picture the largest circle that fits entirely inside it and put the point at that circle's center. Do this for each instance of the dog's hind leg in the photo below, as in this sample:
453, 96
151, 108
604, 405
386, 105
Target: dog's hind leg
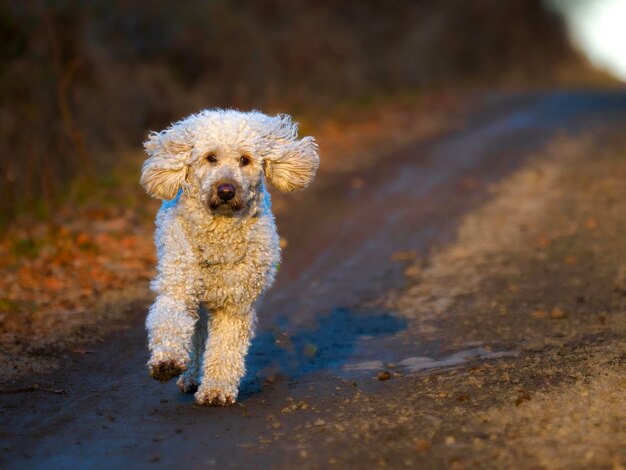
171, 324
189, 381
230, 333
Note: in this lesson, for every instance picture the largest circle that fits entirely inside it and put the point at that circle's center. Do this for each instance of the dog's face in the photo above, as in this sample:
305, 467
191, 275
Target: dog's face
222, 156
227, 177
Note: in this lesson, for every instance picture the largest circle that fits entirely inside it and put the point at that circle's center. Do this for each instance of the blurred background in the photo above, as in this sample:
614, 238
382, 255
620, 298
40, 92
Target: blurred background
81, 83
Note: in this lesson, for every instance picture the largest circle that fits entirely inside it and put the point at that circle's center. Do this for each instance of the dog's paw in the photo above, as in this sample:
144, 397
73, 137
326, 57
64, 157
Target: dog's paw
165, 370
187, 384
216, 396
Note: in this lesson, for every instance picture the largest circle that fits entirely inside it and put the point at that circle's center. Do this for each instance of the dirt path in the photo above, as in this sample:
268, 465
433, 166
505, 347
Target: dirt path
344, 314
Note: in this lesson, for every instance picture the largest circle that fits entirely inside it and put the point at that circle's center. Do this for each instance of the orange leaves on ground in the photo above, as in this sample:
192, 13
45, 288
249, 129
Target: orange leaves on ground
53, 283
82, 239
49, 271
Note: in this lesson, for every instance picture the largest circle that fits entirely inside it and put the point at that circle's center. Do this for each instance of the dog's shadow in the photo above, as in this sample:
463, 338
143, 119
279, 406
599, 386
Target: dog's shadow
327, 345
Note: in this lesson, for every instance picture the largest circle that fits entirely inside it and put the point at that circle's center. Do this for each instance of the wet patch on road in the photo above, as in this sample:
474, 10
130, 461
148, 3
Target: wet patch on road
422, 363
326, 344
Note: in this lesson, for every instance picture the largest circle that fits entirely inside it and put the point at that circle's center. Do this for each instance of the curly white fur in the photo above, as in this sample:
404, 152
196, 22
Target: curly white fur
216, 256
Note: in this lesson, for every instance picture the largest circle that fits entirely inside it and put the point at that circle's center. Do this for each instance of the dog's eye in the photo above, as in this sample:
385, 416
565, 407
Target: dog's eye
211, 158
244, 160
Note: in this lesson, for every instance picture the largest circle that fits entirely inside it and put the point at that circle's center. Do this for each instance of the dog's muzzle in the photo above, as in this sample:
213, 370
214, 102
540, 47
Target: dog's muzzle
225, 197
226, 192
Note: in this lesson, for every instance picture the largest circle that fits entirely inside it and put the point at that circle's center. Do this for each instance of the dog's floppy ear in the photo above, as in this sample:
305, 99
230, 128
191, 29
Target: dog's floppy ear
165, 171
290, 163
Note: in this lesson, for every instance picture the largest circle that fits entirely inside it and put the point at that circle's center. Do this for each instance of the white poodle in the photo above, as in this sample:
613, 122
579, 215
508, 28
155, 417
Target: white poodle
216, 240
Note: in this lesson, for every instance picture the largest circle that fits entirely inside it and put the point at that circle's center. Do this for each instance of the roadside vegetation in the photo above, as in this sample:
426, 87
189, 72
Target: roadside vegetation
81, 83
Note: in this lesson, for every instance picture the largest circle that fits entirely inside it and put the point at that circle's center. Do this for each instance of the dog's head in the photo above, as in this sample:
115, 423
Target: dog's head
221, 156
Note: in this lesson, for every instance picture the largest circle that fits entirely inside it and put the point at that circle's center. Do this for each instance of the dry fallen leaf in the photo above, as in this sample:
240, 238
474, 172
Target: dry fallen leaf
82, 351
522, 397
385, 375
408, 255
423, 445
357, 183
543, 241
570, 260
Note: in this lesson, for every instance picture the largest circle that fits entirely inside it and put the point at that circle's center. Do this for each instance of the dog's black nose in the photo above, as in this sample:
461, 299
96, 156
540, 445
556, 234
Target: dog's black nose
226, 192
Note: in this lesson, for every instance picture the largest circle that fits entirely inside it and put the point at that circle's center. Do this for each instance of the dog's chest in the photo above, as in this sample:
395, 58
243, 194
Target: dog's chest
218, 242
219, 249
239, 282
227, 261
235, 261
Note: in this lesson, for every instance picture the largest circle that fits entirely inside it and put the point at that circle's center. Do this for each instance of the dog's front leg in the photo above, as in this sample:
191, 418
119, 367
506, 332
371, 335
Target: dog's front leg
171, 324
230, 333
189, 380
